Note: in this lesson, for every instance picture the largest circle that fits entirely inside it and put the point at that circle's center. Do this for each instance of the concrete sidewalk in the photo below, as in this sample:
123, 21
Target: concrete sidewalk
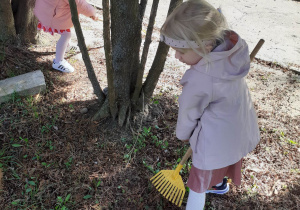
275, 21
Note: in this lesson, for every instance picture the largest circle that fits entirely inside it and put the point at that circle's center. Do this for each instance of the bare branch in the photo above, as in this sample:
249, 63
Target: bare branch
154, 73
143, 5
108, 56
173, 5
158, 63
95, 5
149, 33
85, 55
139, 81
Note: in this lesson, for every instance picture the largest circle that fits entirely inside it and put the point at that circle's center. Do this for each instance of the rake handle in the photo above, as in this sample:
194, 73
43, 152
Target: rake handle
256, 49
186, 156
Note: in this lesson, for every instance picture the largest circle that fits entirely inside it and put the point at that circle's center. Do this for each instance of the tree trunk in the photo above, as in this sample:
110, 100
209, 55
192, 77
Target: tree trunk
17, 18
25, 21
7, 29
122, 25
126, 41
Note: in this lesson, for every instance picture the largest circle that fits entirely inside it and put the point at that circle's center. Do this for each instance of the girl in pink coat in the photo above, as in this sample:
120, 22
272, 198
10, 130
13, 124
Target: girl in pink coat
216, 114
55, 17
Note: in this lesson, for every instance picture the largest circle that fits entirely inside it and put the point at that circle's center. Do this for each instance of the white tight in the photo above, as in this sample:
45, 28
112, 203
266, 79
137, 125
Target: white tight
196, 201
61, 46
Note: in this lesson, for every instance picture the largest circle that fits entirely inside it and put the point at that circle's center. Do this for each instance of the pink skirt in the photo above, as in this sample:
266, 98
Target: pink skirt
50, 30
201, 180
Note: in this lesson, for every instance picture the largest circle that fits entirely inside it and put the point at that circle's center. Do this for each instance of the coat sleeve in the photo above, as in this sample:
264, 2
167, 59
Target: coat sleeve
195, 97
85, 8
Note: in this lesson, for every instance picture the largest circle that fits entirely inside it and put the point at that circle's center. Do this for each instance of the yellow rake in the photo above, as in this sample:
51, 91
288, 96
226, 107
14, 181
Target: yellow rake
169, 183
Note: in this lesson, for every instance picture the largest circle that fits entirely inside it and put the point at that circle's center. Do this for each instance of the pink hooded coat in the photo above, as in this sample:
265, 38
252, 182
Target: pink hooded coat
56, 13
216, 113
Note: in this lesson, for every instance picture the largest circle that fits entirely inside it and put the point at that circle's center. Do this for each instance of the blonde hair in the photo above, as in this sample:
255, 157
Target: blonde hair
196, 20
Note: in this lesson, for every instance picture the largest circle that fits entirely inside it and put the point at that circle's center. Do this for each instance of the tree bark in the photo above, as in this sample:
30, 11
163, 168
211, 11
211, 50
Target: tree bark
144, 56
85, 55
122, 24
25, 21
154, 73
157, 66
109, 68
143, 5
7, 29
125, 39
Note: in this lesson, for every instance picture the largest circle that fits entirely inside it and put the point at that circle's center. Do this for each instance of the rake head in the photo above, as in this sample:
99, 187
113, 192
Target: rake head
169, 183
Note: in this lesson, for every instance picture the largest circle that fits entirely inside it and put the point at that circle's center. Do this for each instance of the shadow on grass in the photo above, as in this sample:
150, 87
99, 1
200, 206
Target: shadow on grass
53, 156
51, 151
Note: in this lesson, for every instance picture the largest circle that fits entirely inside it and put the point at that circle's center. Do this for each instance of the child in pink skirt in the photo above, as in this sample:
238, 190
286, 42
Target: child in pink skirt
55, 17
216, 114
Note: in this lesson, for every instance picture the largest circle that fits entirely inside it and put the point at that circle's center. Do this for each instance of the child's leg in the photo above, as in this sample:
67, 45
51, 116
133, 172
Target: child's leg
195, 200
59, 63
61, 46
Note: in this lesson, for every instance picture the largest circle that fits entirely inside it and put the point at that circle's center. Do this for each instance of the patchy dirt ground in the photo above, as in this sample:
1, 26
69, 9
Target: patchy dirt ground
53, 156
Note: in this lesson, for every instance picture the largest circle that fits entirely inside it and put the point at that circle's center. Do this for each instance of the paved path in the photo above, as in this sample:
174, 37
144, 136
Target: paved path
275, 21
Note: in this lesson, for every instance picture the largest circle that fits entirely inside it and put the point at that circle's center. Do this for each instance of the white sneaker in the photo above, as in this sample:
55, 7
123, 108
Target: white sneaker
63, 66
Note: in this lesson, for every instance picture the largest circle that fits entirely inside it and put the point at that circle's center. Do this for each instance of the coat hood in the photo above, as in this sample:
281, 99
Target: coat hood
230, 60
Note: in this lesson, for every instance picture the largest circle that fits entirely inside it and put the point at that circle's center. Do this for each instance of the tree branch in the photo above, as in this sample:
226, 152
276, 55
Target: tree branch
147, 43
173, 5
108, 56
154, 73
143, 5
95, 5
85, 56
157, 65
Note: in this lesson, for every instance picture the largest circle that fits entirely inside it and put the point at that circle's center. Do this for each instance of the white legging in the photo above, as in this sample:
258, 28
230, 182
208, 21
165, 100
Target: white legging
196, 201
61, 46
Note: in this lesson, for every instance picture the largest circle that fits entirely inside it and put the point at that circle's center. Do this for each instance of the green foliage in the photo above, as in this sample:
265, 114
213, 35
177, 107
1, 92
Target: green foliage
49, 145
9, 163
150, 167
87, 197
285, 139
46, 164
28, 197
139, 143
160, 143
46, 128
146, 136
15, 97
61, 203
69, 163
